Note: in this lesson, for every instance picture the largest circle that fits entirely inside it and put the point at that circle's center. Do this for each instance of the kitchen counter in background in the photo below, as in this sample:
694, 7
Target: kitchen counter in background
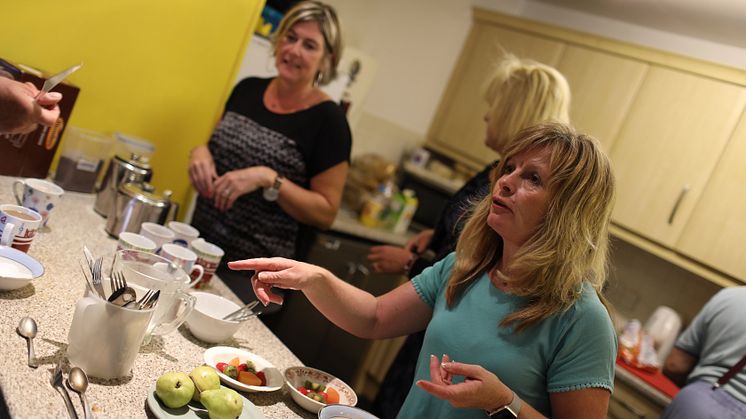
347, 222
50, 300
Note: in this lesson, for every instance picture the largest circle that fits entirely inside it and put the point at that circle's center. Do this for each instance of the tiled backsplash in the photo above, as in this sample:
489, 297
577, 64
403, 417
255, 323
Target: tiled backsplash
639, 282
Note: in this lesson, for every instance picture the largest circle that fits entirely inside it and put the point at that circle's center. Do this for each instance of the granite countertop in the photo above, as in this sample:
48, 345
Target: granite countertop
50, 300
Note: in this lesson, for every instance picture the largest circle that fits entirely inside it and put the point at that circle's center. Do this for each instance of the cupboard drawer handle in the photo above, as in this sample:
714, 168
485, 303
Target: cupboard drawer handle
630, 409
683, 192
331, 244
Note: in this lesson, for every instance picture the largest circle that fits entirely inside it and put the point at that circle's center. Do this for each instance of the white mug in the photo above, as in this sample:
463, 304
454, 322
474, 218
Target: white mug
158, 233
185, 233
38, 195
135, 241
208, 255
18, 226
184, 259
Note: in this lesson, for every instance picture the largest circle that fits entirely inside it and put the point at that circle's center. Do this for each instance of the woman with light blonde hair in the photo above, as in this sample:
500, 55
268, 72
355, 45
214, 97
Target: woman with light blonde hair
520, 93
518, 303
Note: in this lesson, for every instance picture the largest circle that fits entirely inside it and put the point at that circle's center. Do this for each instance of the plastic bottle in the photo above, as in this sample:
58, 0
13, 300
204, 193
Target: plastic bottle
405, 217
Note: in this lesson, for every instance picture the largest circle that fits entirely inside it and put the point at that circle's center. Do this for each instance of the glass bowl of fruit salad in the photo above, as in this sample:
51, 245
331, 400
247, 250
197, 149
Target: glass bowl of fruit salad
243, 370
313, 389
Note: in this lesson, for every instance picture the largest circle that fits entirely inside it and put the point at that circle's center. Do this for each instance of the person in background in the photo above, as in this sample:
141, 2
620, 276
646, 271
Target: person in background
521, 93
518, 305
20, 112
713, 343
276, 164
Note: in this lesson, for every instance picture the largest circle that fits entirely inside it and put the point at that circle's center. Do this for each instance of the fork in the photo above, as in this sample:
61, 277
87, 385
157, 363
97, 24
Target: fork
121, 294
139, 304
56, 382
96, 277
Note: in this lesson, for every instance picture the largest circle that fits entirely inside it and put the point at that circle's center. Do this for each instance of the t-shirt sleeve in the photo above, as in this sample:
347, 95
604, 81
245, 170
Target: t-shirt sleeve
334, 143
692, 338
433, 280
586, 353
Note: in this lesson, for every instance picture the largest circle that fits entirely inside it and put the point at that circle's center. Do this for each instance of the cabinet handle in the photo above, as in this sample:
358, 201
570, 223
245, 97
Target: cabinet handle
351, 269
630, 409
331, 244
363, 270
683, 192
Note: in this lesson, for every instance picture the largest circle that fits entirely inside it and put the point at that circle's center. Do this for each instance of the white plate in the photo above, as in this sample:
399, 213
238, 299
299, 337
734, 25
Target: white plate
333, 411
161, 411
274, 377
17, 268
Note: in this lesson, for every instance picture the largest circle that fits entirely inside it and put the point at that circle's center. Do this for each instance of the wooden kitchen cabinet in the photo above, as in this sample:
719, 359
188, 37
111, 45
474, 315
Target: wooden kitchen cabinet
671, 139
627, 403
716, 231
315, 340
458, 129
603, 87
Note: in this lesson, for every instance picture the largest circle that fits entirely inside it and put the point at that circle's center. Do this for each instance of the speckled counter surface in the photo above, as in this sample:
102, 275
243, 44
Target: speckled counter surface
50, 300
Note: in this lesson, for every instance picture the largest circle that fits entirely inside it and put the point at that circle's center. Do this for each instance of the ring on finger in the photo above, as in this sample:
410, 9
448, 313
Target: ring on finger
226, 192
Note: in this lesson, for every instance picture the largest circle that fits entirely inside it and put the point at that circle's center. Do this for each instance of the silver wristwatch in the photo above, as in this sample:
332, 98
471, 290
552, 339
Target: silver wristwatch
273, 192
509, 411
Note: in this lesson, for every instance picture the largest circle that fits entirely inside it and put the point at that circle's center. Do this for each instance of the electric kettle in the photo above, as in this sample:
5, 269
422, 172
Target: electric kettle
134, 169
135, 204
663, 326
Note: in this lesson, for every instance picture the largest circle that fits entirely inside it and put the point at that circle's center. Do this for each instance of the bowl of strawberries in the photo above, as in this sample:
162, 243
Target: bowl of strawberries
243, 370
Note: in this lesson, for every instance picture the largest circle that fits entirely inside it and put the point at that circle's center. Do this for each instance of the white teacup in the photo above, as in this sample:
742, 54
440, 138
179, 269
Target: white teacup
184, 259
18, 226
185, 233
158, 233
135, 241
38, 195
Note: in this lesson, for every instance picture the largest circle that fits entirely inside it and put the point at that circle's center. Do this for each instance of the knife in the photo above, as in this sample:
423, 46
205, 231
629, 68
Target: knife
53, 81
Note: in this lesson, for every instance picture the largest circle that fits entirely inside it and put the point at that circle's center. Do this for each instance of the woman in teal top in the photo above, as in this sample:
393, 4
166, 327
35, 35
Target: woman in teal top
518, 306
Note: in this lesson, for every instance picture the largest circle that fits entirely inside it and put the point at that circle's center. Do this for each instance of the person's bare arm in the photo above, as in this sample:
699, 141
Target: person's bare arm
679, 364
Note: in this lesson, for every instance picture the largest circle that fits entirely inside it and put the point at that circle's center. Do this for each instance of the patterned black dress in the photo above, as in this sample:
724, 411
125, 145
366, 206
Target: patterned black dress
400, 377
298, 146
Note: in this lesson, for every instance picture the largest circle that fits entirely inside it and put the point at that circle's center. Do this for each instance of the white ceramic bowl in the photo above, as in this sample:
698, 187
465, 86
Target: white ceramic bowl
206, 320
296, 376
17, 269
274, 377
339, 411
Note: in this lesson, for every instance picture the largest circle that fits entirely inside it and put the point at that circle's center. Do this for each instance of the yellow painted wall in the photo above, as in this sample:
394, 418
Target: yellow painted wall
155, 69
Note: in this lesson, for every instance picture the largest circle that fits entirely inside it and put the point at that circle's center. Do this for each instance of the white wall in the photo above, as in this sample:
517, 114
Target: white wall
416, 43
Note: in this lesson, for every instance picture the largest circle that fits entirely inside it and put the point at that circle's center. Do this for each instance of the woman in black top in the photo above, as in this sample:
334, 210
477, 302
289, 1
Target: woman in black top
278, 159
521, 93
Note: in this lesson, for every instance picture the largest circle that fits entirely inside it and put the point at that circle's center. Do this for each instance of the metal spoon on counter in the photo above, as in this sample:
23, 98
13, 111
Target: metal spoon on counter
27, 328
77, 380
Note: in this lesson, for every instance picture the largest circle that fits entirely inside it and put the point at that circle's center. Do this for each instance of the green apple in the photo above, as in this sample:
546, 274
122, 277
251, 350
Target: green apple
205, 378
175, 389
223, 403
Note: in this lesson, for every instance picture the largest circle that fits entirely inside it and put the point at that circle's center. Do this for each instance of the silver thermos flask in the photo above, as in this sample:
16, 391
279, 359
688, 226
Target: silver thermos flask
135, 169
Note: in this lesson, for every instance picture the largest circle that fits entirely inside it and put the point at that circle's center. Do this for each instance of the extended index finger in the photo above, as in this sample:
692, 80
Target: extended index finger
261, 264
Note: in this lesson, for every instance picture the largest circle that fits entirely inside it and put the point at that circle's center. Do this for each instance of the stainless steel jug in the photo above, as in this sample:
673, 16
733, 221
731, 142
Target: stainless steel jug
135, 169
135, 204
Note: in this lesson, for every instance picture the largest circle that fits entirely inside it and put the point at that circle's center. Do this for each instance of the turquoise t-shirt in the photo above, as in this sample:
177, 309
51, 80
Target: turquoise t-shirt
572, 350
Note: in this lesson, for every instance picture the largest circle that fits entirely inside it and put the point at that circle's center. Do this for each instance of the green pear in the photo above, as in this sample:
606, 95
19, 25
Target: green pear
175, 389
224, 403
205, 378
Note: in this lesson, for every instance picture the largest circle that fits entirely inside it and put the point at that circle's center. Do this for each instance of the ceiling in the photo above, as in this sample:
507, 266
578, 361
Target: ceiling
720, 21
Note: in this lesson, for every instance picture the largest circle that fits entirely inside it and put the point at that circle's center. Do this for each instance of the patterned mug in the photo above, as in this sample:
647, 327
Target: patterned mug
18, 226
38, 195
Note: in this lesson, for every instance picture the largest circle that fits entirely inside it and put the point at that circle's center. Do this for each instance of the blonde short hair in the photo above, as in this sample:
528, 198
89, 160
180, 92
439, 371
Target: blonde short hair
570, 245
522, 93
326, 17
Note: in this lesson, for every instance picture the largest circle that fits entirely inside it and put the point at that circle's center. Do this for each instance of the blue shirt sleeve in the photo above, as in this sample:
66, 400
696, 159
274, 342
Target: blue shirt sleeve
587, 353
432, 281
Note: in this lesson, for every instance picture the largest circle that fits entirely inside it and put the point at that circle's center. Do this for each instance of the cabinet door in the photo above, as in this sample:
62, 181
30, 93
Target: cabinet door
627, 403
458, 128
603, 87
716, 231
672, 137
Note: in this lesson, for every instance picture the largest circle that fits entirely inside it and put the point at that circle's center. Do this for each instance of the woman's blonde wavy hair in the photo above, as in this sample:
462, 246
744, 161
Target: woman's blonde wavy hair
568, 248
522, 93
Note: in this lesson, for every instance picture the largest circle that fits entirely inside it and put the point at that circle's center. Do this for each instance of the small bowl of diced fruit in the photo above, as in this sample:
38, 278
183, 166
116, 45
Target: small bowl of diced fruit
313, 389
243, 370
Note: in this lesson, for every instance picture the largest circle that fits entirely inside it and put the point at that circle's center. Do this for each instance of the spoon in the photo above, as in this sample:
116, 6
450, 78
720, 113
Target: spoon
122, 296
27, 328
77, 380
